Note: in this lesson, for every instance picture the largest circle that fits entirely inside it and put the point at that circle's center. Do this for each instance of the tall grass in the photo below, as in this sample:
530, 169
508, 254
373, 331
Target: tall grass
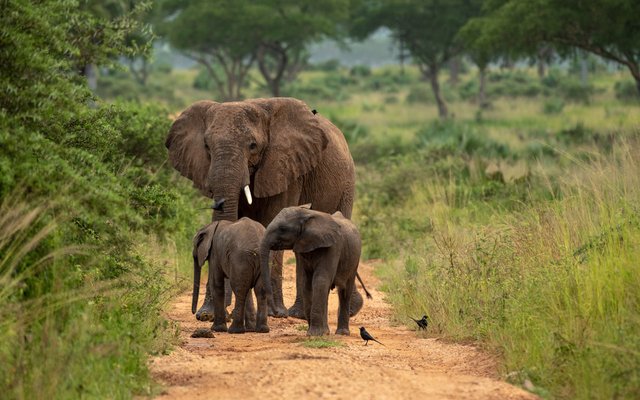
69, 338
554, 286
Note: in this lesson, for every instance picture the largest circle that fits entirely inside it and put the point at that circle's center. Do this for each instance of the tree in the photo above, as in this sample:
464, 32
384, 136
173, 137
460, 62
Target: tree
609, 29
284, 30
103, 30
482, 53
427, 28
215, 32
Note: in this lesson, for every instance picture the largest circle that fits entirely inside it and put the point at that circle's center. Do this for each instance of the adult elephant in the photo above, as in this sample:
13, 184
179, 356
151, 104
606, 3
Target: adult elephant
277, 149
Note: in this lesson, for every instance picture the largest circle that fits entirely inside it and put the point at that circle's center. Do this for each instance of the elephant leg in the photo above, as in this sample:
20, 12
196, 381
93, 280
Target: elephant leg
249, 313
219, 313
318, 323
356, 301
276, 306
297, 309
237, 326
344, 296
307, 291
205, 313
227, 297
261, 318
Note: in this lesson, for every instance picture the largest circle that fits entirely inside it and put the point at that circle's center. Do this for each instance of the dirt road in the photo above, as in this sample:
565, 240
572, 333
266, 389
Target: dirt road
278, 365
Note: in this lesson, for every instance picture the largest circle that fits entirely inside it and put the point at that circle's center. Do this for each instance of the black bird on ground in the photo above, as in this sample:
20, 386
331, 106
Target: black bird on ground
422, 323
366, 336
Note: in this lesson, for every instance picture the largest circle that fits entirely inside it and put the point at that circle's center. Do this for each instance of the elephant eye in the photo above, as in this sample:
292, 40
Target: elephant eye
253, 146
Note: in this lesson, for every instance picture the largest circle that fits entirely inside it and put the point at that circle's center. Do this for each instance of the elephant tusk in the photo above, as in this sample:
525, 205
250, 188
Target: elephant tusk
247, 193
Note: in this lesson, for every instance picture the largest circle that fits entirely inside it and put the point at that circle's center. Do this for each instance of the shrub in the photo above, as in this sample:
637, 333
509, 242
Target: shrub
626, 91
552, 106
327, 66
420, 94
447, 138
574, 90
361, 71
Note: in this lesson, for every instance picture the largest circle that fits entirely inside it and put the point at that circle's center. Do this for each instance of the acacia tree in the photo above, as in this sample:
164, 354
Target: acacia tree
284, 30
609, 29
427, 29
214, 32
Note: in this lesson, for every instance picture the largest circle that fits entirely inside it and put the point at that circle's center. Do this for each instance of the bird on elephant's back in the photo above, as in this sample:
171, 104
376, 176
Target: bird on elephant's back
262, 155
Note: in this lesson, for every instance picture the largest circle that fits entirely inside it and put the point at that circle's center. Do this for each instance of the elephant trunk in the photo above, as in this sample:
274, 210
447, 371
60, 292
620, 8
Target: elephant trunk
196, 284
229, 183
265, 271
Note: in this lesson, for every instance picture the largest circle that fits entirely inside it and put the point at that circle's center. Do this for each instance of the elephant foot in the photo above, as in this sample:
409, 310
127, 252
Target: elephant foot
278, 312
236, 328
205, 313
219, 328
250, 327
317, 331
262, 329
342, 331
296, 311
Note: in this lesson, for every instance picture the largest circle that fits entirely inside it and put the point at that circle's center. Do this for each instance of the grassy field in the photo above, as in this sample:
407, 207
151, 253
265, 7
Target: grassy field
514, 226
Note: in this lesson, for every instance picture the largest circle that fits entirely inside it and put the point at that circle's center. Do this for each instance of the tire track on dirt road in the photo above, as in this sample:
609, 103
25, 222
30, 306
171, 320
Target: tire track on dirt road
277, 365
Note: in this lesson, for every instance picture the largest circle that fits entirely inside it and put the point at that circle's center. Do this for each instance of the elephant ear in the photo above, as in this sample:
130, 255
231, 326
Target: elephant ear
185, 141
202, 243
318, 231
297, 139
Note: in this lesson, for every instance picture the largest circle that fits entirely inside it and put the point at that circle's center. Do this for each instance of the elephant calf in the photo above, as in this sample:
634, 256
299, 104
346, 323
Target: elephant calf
232, 250
327, 249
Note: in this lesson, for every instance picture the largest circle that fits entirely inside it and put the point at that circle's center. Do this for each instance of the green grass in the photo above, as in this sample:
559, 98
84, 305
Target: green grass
321, 343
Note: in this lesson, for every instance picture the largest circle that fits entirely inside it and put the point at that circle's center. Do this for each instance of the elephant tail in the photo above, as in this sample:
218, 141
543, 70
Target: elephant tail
196, 284
364, 287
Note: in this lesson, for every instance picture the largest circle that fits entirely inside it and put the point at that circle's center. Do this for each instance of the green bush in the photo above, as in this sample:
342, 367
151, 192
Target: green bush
361, 71
420, 94
331, 65
574, 90
84, 191
513, 84
552, 106
626, 91
448, 138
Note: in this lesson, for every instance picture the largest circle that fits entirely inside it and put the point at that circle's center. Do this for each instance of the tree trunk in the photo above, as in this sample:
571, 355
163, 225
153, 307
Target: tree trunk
279, 55
454, 71
635, 72
432, 74
482, 95
584, 69
541, 68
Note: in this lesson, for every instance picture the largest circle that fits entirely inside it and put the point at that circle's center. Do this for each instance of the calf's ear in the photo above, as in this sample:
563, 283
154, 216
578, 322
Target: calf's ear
317, 231
202, 243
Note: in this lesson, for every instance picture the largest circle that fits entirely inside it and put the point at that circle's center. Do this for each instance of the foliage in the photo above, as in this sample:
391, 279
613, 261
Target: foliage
427, 29
285, 28
214, 33
84, 192
553, 106
626, 91
551, 286
605, 28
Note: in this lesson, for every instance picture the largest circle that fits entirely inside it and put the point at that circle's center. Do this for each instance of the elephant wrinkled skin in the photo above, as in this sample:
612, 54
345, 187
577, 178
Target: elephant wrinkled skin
260, 156
328, 249
232, 250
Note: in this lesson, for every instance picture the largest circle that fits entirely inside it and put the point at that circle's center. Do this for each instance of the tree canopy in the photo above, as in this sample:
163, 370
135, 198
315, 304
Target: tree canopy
428, 29
607, 28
